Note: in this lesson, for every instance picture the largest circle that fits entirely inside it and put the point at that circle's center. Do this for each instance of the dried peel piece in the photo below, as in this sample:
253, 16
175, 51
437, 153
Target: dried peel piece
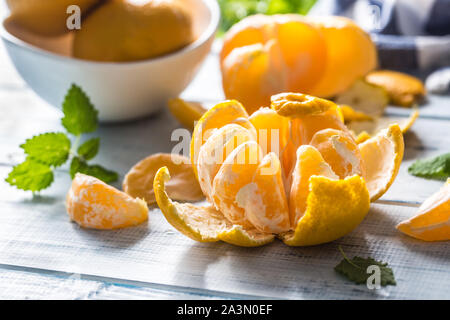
432, 222
186, 112
93, 204
138, 182
382, 156
364, 97
295, 105
334, 208
403, 90
203, 224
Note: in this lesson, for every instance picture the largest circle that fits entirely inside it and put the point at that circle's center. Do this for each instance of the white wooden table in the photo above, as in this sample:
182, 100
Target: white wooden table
43, 255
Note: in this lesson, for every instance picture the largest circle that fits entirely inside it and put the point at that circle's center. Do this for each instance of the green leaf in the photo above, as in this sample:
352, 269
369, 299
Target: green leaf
30, 175
89, 149
356, 270
79, 165
80, 116
49, 148
436, 168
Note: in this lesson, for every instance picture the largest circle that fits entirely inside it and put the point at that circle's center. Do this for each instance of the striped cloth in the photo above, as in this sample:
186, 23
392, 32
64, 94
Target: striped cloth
409, 34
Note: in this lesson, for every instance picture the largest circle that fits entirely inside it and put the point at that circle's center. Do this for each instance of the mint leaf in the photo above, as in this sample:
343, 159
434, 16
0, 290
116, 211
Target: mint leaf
89, 149
356, 270
437, 168
80, 116
30, 175
79, 165
49, 148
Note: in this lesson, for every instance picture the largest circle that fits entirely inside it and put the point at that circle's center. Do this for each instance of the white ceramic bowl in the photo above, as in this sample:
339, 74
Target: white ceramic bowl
120, 91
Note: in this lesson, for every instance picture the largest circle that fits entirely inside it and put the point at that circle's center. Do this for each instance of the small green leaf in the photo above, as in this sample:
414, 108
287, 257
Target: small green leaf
79, 165
356, 270
89, 149
437, 168
80, 116
30, 175
49, 148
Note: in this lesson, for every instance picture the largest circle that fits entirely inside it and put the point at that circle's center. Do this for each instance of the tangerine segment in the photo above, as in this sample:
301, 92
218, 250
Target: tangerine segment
340, 151
264, 199
309, 163
334, 208
251, 74
236, 172
204, 224
272, 130
138, 181
186, 112
215, 151
304, 64
382, 156
93, 204
303, 129
351, 54
221, 114
432, 222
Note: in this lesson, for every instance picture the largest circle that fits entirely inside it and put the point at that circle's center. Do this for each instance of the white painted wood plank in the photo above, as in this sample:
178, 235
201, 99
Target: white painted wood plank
25, 283
36, 233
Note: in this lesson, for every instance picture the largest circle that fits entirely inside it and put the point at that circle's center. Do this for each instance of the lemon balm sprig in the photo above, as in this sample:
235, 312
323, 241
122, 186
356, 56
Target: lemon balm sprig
48, 151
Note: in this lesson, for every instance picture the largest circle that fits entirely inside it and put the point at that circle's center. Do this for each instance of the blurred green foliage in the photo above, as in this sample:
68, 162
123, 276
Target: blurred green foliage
235, 10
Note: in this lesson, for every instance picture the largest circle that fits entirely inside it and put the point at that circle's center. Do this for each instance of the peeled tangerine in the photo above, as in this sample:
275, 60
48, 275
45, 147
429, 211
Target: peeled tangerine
93, 204
310, 183
432, 222
265, 55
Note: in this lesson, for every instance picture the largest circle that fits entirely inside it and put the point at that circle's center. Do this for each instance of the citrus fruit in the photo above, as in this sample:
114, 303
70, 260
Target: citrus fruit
186, 112
263, 55
47, 18
138, 182
127, 30
316, 190
93, 204
432, 222
403, 89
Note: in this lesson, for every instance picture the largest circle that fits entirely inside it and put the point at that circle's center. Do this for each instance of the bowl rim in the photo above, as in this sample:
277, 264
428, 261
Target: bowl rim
209, 31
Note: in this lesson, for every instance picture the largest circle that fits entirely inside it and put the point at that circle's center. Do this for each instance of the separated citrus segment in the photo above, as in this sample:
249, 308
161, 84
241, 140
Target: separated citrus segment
334, 208
186, 112
340, 151
403, 89
204, 224
93, 204
138, 181
432, 222
264, 198
382, 156
236, 172
309, 163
